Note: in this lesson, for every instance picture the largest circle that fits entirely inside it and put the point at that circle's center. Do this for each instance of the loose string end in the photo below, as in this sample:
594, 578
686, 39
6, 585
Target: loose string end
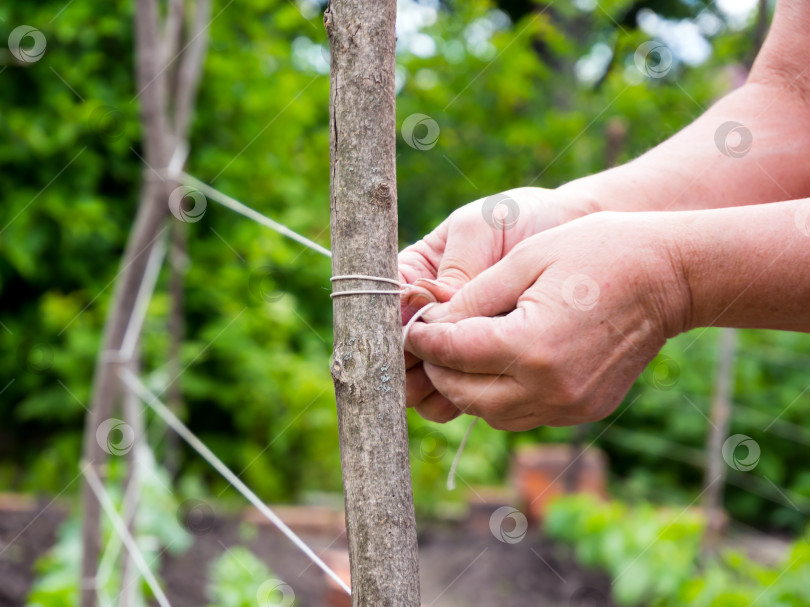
451, 477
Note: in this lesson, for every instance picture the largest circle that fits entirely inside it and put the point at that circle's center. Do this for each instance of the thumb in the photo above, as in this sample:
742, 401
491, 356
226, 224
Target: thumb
494, 291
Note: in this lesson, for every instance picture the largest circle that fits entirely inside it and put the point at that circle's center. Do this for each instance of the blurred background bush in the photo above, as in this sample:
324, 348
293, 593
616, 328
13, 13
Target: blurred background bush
521, 92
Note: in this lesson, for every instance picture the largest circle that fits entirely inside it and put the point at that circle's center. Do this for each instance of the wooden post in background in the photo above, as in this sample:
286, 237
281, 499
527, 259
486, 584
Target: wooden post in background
716, 467
368, 368
162, 74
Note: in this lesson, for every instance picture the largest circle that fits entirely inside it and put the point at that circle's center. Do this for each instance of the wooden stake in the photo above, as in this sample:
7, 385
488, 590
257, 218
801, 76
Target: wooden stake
368, 368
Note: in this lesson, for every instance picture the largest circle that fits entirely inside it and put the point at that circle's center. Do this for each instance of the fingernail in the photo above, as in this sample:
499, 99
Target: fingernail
436, 313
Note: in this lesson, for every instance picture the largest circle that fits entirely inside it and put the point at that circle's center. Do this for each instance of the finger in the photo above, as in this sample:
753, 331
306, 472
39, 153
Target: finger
497, 398
497, 289
473, 345
414, 298
417, 386
437, 408
411, 360
472, 246
422, 259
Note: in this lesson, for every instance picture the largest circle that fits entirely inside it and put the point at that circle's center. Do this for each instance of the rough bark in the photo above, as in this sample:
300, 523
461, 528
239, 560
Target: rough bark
368, 367
718, 433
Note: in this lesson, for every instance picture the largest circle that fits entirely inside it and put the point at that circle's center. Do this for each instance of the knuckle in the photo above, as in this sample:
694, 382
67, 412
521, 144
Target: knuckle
448, 353
453, 271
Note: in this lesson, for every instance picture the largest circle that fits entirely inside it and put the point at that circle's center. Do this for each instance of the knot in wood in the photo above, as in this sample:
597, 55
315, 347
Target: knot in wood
382, 194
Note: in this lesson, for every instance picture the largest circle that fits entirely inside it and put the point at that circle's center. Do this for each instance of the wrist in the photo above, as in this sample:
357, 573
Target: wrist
656, 239
618, 189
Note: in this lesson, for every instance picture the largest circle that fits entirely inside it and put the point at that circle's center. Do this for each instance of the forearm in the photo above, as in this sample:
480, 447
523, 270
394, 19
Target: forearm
690, 171
745, 267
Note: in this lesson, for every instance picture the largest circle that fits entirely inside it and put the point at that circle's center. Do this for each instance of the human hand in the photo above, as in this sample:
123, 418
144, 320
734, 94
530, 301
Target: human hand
588, 305
469, 241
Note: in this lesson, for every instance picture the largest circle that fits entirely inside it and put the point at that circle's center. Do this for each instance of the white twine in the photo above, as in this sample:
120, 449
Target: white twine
142, 299
451, 475
152, 401
246, 211
121, 529
403, 288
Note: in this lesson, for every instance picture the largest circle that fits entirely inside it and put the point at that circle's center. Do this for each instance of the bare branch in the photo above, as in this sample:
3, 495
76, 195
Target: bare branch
190, 70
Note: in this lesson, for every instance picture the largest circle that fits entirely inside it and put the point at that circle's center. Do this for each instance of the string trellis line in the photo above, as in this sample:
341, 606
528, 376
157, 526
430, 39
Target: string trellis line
154, 403
120, 528
403, 288
246, 211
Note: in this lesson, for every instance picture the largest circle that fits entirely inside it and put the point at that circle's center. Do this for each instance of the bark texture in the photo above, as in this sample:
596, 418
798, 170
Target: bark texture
368, 367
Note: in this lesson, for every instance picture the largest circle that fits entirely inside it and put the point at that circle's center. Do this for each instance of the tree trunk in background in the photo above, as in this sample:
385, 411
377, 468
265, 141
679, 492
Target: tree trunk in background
368, 368
718, 433
176, 331
155, 50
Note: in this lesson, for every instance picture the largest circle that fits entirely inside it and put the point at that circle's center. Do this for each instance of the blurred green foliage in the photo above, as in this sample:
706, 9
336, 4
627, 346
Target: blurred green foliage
511, 112
239, 579
653, 557
158, 528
